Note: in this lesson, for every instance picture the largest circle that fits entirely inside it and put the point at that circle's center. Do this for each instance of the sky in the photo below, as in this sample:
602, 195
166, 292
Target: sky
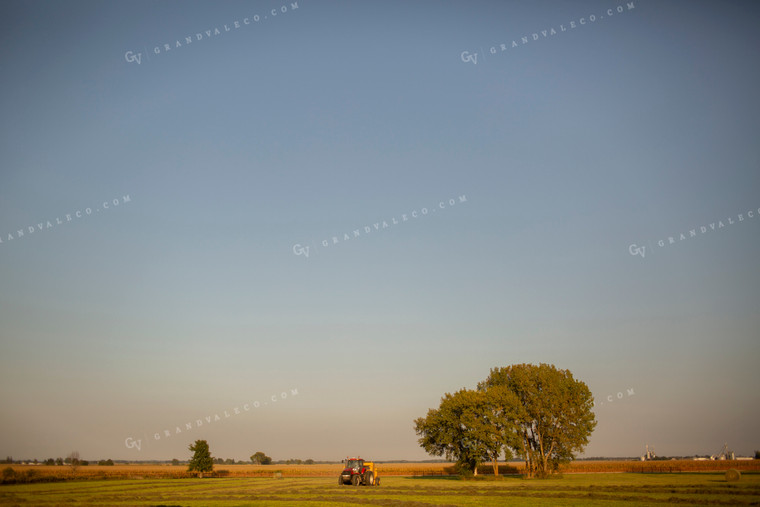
294, 236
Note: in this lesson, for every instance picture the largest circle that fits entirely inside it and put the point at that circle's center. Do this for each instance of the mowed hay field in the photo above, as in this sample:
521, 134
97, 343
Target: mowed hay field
706, 488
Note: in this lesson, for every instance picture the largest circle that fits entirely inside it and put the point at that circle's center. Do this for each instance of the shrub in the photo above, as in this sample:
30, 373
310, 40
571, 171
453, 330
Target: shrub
464, 471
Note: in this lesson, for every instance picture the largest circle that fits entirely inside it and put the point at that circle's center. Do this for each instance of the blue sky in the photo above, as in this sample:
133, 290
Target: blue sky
187, 299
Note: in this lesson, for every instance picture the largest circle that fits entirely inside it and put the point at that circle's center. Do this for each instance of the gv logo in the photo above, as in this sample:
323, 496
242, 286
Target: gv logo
132, 443
467, 57
130, 57
299, 250
634, 250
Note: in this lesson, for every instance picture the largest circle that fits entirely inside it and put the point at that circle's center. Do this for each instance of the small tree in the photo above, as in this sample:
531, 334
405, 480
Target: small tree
201, 460
175, 462
74, 461
59, 461
261, 459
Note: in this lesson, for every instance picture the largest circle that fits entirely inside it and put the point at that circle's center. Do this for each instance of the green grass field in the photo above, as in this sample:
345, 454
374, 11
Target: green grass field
578, 489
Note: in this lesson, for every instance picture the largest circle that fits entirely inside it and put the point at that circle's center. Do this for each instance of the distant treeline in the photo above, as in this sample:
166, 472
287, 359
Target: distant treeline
57, 462
219, 461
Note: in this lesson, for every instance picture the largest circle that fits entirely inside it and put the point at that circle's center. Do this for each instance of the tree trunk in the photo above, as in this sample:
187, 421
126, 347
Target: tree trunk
541, 457
495, 467
531, 452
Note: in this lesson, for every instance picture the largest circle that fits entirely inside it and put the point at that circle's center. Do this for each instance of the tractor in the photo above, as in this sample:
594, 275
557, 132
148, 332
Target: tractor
357, 471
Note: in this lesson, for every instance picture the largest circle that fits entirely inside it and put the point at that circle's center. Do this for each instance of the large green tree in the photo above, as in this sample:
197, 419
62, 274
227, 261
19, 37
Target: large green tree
540, 413
556, 417
471, 427
448, 430
201, 461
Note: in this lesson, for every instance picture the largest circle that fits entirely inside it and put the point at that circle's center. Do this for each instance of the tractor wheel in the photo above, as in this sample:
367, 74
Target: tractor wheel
355, 480
369, 479
377, 481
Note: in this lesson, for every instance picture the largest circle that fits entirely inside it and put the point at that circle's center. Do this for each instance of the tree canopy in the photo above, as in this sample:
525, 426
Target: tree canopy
539, 413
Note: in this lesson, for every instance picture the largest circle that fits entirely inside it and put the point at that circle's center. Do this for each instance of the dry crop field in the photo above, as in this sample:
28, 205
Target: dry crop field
385, 469
393, 469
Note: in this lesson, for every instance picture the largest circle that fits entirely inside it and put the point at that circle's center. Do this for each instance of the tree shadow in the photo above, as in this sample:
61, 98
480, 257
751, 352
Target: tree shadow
435, 477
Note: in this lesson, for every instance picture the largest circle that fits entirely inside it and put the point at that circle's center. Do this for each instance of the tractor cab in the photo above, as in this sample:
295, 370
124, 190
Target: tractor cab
354, 464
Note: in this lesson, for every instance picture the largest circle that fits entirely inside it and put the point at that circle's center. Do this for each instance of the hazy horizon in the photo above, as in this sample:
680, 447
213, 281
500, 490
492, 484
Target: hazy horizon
365, 205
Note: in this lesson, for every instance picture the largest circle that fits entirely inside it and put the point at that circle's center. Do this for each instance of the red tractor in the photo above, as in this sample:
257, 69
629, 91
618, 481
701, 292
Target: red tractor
358, 471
